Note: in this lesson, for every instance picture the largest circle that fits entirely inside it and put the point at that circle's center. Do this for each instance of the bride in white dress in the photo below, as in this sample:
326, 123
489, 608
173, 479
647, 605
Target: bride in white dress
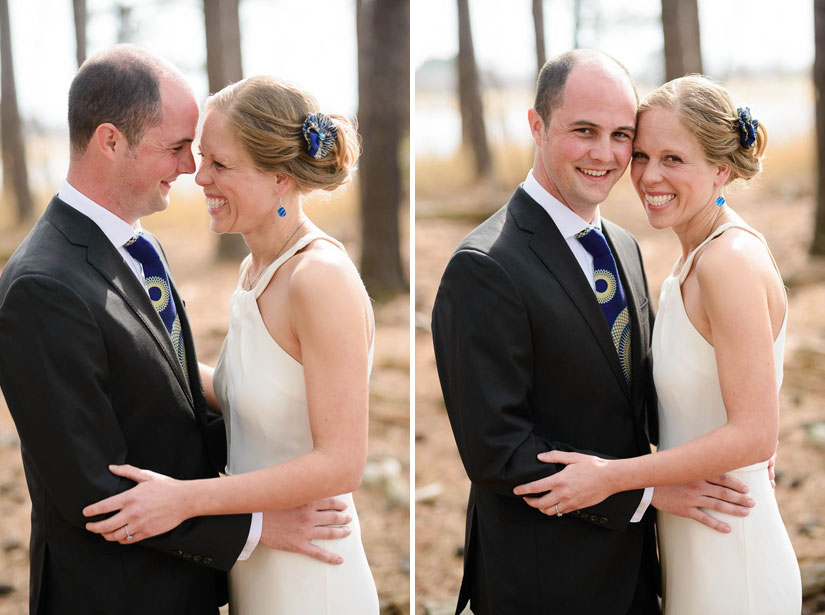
292, 377
717, 349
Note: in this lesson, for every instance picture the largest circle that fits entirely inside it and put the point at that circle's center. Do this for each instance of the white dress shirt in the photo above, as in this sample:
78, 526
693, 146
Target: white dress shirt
118, 231
570, 224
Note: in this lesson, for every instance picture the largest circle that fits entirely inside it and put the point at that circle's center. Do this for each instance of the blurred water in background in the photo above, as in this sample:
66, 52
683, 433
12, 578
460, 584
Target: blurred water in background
784, 104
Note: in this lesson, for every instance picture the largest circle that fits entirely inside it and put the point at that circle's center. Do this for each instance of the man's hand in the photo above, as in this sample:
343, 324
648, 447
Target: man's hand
723, 494
293, 529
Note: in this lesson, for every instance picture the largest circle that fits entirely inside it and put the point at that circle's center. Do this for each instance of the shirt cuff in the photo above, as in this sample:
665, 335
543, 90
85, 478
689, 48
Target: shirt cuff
254, 536
640, 512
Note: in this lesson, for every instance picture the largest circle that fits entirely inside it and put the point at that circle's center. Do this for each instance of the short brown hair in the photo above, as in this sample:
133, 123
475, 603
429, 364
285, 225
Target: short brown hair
120, 86
553, 76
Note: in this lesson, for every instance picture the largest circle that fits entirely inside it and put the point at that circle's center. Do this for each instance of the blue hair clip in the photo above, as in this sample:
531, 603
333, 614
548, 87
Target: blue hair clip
320, 133
747, 127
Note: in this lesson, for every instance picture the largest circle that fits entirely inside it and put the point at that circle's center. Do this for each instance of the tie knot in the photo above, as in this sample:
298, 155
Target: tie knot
141, 250
593, 241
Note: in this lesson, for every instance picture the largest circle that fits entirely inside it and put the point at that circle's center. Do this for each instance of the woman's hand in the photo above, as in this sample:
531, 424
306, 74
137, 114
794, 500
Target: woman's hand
584, 482
154, 506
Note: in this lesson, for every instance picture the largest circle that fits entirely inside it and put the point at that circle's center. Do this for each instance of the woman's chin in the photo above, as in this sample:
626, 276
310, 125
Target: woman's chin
216, 227
657, 221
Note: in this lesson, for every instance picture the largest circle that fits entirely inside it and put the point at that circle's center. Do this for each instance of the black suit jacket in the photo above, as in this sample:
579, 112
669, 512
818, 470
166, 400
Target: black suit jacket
527, 365
91, 379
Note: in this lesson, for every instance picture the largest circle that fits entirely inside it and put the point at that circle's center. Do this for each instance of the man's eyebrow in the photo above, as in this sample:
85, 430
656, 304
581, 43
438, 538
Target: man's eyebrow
589, 124
182, 142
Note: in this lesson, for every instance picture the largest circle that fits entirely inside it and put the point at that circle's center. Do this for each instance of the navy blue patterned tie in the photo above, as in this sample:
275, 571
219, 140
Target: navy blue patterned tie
610, 294
160, 292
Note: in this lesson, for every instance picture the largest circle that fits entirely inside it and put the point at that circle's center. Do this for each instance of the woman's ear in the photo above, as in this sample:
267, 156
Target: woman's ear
722, 175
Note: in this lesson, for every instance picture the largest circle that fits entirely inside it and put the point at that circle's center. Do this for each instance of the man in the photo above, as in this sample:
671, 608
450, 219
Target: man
97, 371
529, 361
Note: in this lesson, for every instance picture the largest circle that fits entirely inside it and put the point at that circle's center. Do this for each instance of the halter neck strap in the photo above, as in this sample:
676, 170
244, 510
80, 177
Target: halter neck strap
266, 276
683, 272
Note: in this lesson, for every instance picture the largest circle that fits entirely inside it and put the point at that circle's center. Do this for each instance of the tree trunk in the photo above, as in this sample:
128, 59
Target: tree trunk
680, 25
818, 245
224, 66
15, 177
538, 22
383, 117
125, 23
469, 94
577, 23
80, 29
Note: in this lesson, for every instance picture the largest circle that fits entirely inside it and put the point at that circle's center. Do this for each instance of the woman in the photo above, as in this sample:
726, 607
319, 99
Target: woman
717, 362
293, 372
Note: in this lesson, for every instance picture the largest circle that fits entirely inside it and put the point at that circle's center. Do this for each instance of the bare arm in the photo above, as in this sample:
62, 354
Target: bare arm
331, 319
207, 373
735, 283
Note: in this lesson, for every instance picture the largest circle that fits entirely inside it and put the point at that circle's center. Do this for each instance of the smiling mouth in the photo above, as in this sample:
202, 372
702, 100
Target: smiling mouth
214, 204
597, 173
660, 200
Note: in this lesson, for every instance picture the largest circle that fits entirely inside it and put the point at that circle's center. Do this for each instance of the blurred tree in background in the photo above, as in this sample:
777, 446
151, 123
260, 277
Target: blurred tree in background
473, 132
15, 175
538, 23
79, 7
818, 245
680, 25
383, 117
224, 66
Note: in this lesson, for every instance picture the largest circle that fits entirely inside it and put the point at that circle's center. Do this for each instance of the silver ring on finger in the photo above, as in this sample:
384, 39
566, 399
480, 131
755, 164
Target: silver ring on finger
558, 512
129, 536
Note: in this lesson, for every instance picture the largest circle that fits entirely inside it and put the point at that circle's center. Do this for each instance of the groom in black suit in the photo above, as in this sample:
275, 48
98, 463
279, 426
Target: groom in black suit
528, 364
92, 375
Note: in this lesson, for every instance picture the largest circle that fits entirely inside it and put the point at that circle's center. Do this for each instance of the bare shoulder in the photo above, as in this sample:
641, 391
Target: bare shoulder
736, 253
323, 271
737, 266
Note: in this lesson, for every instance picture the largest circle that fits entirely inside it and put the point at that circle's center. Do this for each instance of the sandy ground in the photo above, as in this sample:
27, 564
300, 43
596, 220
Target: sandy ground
439, 523
207, 288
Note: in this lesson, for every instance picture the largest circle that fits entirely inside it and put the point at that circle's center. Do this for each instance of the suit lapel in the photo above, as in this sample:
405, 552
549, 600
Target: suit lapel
552, 250
102, 255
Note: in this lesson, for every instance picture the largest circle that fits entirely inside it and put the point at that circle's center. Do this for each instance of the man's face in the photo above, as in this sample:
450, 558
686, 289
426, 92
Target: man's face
587, 145
147, 170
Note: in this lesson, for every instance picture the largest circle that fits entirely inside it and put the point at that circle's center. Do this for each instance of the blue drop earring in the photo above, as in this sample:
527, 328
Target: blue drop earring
720, 200
281, 208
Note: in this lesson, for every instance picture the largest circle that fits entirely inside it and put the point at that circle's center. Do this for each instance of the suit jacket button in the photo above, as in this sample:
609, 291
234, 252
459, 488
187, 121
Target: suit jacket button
197, 558
177, 553
207, 560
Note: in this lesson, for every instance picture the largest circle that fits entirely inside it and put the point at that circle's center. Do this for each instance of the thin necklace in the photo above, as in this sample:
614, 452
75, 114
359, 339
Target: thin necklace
251, 285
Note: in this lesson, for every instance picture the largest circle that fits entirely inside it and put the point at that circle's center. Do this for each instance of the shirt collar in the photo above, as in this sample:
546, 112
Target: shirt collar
568, 222
117, 230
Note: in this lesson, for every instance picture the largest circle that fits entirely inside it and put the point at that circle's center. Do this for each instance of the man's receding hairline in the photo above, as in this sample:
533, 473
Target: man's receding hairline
160, 67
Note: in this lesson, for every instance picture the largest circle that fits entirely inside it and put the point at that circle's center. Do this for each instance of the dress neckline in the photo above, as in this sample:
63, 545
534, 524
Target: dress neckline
266, 276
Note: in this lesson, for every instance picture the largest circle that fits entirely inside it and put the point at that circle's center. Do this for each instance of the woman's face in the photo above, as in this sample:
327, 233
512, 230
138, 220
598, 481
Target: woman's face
669, 170
240, 197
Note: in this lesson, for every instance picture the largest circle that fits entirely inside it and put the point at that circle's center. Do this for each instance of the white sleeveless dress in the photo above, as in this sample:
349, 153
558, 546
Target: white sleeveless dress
261, 388
752, 570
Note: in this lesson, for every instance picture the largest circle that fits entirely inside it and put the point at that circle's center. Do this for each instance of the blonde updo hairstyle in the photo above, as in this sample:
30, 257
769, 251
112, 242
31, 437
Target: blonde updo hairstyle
267, 116
706, 110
